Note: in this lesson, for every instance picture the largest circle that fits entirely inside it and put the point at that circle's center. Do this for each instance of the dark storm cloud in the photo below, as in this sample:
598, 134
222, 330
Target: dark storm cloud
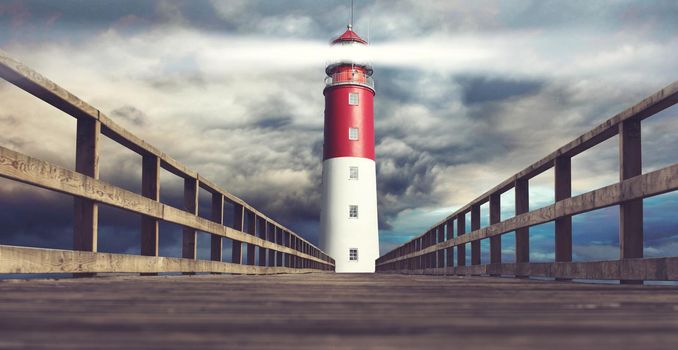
487, 89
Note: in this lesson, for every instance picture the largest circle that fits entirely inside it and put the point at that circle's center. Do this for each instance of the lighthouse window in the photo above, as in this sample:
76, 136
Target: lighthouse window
353, 134
353, 173
353, 211
353, 254
353, 99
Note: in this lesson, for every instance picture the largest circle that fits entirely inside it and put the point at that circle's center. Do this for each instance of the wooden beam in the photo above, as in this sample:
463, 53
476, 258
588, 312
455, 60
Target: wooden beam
475, 225
262, 233
461, 248
270, 237
449, 236
189, 246
216, 241
522, 200
252, 230
238, 224
38, 260
495, 217
630, 212
86, 211
563, 224
150, 188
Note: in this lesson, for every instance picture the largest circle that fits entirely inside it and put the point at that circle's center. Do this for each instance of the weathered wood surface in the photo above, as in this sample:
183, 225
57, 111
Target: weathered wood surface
651, 269
40, 260
334, 311
17, 166
34, 83
638, 187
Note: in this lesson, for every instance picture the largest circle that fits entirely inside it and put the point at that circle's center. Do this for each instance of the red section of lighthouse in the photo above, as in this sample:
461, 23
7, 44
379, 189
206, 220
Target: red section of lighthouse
349, 228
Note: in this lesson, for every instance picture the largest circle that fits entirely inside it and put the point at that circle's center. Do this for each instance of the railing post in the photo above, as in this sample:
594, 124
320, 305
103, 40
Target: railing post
261, 233
563, 190
86, 211
238, 220
251, 218
150, 188
288, 243
522, 197
441, 252
190, 205
279, 241
270, 236
630, 212
216, 242
475, 225
450, 250
461, 248
495, 241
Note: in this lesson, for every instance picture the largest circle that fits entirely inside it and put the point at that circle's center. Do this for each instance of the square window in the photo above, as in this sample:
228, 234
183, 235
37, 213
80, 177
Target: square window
353, 98
353, 254
353, 211
353, 173
353, 134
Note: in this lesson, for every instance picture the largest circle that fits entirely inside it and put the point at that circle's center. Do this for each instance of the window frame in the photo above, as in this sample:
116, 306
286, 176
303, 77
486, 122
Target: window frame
351, 255
357, 99
352, 169
357, 134
351, 211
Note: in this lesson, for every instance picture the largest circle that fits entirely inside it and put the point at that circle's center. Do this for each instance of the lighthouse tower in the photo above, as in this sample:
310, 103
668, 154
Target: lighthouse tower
348, 220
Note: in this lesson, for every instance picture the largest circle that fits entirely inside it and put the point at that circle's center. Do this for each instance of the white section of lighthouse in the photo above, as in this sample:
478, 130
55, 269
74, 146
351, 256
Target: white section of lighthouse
349, 230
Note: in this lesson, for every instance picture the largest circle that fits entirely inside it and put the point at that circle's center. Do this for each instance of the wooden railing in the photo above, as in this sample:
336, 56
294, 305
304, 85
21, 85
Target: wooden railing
434, 251
279, 249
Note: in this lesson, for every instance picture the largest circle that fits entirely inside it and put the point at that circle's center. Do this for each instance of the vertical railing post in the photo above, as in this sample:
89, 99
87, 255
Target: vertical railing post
270, 236
563, 190
216, 241
522, 201
475, 225
441, 252
288, 243
495, 241
86, 211
251, 218
150, 188
238, 221
450, 236
461, 248
189, 246
261, 233
630, 212
279, 241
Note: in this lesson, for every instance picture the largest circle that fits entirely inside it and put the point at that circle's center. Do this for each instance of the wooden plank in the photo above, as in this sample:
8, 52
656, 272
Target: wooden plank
563, 225
475, 225
461, 248
216, 241
39, 260
238, 224
522, 200
262, 233
658, 101
642, 186
495, 217
252, 230
150, 188
270, 236
630, 212
190, 235
85, 210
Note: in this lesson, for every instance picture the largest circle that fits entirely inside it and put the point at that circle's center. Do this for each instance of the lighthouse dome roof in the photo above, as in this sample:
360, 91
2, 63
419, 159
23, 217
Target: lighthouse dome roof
349, 36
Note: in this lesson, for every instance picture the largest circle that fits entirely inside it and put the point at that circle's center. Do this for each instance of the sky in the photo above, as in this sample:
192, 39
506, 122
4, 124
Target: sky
467, 94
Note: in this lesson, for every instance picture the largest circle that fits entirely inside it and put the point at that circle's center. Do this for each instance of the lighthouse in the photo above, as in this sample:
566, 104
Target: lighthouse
348, 220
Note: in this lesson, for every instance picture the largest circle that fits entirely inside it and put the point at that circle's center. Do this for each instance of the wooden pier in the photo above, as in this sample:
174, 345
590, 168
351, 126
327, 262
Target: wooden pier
334, 311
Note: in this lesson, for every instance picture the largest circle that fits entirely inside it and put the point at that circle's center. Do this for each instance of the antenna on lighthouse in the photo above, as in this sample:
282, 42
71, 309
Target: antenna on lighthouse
350, 23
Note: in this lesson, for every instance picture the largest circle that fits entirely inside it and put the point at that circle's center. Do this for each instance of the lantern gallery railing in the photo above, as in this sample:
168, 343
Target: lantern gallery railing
341, 78
279, 249
433, 252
